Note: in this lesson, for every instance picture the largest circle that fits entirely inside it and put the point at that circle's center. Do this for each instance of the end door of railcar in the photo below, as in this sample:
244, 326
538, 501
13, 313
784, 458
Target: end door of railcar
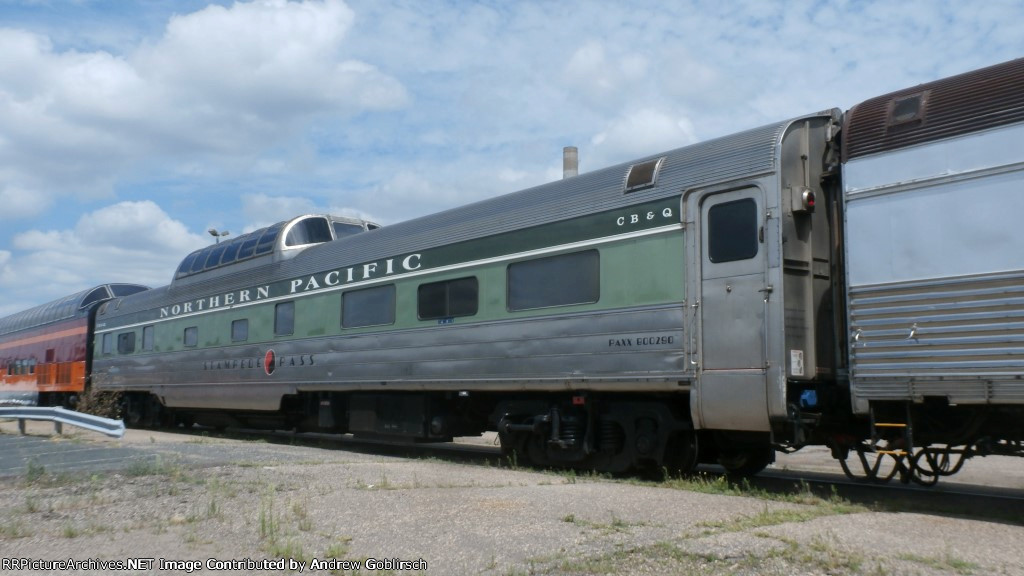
732, 305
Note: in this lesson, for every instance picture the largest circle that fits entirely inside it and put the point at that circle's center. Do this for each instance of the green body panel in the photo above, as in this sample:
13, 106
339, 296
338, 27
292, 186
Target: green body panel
636, 271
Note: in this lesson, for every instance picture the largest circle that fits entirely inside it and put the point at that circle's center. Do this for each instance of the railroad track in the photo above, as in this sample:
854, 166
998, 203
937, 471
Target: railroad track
947, 497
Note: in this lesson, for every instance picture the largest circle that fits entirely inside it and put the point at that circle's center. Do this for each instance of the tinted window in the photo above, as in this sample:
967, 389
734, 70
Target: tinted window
213, 260
230, 252
341, 229
191, 336
309, 231
369, 307
186, 264
555, 281
95, 296
447, 299
247, 248
126, 289
200, 260
126, 343
266, 243
147, 338
240, 330
284, 319
732, 231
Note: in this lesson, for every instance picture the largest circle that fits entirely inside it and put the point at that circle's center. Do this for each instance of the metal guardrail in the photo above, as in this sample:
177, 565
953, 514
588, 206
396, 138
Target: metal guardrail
60, 416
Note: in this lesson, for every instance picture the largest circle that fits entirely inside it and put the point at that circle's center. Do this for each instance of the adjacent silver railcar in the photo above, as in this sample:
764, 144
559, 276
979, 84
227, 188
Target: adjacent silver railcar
932, 181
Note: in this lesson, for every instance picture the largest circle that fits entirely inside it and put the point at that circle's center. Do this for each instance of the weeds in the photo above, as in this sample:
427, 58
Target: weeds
769, 518
12, 529
303, 521
34, 471
947, 563
158, 466
105, 404
339, 549
616, 524
268, 520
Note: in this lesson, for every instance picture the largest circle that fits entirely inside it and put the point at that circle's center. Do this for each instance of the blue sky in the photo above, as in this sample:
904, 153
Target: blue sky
127, 129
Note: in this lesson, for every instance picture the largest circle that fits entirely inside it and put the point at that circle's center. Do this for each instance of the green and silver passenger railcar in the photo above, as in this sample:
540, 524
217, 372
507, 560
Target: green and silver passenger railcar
652, 313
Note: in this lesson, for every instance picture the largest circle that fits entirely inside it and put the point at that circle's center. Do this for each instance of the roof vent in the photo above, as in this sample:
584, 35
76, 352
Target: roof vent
907, 111
643, 175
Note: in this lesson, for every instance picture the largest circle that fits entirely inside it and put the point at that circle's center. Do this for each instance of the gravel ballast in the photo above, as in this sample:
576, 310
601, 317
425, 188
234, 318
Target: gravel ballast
228, 506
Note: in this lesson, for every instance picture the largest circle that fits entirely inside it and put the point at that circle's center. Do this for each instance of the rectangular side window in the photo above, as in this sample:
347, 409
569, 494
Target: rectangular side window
732, 231
147, 338
555, 281
126, 343
368, 307
240, 330
284, 319
108, 343
192, 336
447, 299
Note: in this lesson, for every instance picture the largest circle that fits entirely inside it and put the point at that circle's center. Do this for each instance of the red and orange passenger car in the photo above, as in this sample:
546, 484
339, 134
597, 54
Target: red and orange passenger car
45, 351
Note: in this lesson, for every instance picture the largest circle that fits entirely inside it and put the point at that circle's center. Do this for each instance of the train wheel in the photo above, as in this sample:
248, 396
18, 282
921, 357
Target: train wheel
131, 411
141, 411
743, 460
70, 401
681, 453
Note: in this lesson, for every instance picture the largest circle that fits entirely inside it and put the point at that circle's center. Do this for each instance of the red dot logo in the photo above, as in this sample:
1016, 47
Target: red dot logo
269, 362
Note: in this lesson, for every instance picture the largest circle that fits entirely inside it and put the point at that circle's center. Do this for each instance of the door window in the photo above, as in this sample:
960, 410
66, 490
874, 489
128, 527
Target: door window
732, 231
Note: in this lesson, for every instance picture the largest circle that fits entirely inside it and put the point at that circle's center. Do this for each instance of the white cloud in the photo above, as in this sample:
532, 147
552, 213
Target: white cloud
263, 210
641, 133
124, 242
264, 62
596, 76
512, 176
19, 203
249, 113
221, 85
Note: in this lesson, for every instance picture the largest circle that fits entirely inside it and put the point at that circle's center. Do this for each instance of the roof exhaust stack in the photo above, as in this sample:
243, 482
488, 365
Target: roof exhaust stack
570, 162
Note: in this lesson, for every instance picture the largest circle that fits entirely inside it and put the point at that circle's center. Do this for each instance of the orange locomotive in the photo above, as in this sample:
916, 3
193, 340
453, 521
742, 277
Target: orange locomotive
45, 351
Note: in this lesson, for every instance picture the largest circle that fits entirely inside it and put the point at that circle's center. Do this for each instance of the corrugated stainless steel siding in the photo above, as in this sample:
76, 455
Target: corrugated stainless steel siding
961, 104
733, 157
959, 338
570, 351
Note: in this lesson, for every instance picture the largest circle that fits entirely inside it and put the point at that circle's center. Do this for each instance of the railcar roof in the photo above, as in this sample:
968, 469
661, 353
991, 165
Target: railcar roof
729, 158
976, 100
72, 306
